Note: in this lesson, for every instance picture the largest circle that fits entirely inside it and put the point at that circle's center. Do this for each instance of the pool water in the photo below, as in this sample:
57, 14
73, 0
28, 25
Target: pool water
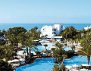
67, 48
41, 47
40, 64
76, 60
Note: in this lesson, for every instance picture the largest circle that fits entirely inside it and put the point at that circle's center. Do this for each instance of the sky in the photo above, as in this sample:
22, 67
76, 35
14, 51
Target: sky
45, 11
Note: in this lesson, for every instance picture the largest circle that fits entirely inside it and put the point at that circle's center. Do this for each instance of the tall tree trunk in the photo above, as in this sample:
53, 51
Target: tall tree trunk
27, 50
45, 48
88, 58
30, 52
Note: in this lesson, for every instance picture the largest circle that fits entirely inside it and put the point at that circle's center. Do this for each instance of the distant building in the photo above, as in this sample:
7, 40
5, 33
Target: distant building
58, 38
50, 31
2, 39
87, 28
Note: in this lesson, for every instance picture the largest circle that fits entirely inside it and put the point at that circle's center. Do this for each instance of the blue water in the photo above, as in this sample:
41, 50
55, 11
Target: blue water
76, 60
67, 48
42, 47
29, 26
79, 26
41, 64
26, 26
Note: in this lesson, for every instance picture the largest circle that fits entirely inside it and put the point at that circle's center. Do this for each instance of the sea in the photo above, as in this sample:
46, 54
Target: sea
28, 26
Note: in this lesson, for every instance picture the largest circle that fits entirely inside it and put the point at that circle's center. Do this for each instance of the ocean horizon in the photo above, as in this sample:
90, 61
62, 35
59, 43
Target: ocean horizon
28, 26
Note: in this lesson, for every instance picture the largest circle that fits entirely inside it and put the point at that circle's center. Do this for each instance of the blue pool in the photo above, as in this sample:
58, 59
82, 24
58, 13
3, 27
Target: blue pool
67, 48
76, 60
40, 64
41, 48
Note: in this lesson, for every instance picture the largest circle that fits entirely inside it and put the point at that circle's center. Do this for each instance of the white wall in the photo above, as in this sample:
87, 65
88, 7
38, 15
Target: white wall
48, 30
58, 27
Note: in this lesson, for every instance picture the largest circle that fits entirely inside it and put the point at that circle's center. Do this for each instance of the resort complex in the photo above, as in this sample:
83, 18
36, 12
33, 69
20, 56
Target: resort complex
50, 31
50, 48
45, 35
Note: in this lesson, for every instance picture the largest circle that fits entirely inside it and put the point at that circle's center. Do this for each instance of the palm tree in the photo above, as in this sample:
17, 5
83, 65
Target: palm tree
14, 35
45, 46
46, 51
56, 67
35, 33
4, 66
73, 48
28, 43
7, 52
2, 53
59, 45
86, 50
69, 33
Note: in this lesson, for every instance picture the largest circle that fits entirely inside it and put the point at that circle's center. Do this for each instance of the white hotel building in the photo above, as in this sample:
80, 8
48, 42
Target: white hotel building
51, 31
87, 28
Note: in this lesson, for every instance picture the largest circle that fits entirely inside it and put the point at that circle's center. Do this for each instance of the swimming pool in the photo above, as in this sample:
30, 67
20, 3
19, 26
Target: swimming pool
40, 64
39, 48
67, 48
42, 47
76, 60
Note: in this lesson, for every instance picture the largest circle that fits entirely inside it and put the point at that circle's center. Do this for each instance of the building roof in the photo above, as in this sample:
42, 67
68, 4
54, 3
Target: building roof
55, 37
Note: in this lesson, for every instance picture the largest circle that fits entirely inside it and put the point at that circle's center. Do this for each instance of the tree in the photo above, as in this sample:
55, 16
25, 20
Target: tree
7, 52
15, 35
62, 67
35, 33
56, 67
28, 43
73, 48
59, 45
59, 67
58, 52
45, 46
2, 53
46, 51
38, 54
4, 66
29, 37
86, 44
82, 34
2, 38
1, 33
69, 33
